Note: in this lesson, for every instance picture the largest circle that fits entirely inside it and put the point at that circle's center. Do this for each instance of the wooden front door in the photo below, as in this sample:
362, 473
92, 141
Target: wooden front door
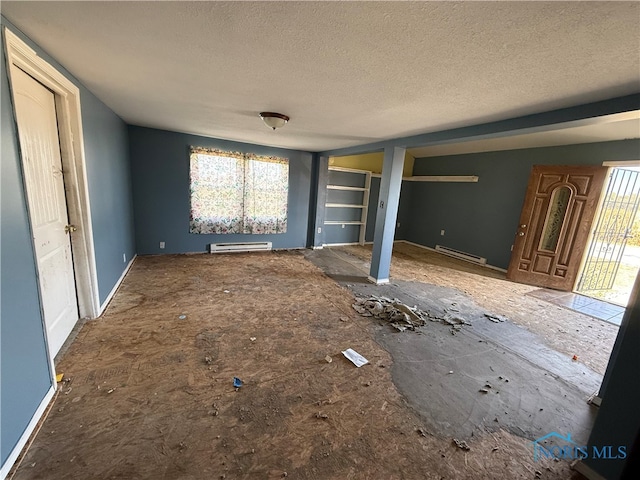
555, 222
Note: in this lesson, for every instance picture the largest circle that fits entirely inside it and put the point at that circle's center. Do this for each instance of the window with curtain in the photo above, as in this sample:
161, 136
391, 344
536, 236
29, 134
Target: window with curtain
234, 192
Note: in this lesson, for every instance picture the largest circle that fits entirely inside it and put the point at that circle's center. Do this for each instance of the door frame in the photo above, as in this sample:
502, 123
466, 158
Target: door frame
68, 113
611, 165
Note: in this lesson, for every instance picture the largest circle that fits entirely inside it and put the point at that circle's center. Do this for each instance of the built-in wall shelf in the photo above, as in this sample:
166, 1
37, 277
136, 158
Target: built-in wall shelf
344, 187
443, 178
342, 222
348, 193
438, 178
344, 205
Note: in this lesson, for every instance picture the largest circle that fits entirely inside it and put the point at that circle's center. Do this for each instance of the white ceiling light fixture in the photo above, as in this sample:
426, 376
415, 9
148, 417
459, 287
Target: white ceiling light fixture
274, 120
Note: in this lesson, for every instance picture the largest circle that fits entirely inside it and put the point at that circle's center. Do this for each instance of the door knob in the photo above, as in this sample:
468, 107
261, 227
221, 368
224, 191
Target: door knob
521, 234
523, 226
70, 228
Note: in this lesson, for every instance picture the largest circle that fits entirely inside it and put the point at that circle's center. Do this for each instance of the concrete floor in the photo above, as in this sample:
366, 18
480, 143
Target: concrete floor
541, 390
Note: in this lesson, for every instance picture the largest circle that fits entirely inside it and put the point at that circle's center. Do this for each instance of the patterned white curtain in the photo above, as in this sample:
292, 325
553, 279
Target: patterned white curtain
238, 193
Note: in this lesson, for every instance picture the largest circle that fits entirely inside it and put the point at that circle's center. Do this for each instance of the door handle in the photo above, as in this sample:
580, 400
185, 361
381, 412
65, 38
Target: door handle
523, 226
70, 228
521, 234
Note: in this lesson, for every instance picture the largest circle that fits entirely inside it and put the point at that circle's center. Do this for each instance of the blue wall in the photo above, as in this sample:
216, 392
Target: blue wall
109, 177
481, 218
24, 368
23, 358
160, 172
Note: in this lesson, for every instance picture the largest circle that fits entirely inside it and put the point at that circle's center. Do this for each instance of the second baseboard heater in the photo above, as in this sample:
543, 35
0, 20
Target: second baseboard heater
461, 255
239, 247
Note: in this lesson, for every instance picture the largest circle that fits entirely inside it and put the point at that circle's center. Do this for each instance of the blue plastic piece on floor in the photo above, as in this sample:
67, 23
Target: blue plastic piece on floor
237, 382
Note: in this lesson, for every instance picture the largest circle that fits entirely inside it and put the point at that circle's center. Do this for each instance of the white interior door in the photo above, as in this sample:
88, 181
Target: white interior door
42, 166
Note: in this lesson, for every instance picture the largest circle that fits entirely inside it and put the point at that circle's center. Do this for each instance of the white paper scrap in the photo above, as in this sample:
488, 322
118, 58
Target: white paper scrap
357, 359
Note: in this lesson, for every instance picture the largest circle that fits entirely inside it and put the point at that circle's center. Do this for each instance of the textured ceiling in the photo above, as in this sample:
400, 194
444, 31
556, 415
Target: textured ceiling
347, 73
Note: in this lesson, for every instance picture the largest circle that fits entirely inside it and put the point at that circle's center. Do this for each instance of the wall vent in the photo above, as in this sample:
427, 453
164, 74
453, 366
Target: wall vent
461, 255
239, 247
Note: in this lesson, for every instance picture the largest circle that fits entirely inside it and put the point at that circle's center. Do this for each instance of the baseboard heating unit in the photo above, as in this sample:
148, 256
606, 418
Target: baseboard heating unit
239, 247
461, 255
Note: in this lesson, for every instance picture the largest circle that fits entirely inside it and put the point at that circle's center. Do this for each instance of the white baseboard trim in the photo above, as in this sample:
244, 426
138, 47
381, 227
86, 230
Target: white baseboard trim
585, 470
315, 247
104, 305
15, 453
382, 281
435, 251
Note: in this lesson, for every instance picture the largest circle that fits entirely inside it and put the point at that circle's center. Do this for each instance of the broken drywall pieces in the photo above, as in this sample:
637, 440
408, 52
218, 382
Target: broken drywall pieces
355, 358
399, 315
454, 319
496, 318
403, 317
461, 444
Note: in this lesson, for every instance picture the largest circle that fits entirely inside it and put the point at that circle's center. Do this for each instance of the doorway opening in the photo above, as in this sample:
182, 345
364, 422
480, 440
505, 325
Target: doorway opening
612, 259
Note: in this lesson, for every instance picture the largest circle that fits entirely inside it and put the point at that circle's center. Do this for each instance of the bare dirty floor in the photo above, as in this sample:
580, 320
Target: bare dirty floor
149, 390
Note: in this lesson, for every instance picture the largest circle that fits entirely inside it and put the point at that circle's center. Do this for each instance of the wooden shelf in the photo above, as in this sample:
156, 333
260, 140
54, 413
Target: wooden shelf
360, 177
344, 205
344, 187
340, 222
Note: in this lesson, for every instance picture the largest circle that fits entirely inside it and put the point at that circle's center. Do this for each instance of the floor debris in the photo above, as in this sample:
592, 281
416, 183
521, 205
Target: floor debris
399, 315
496, 318
328, 359
237, 383
355, 358
461, 444
402, 317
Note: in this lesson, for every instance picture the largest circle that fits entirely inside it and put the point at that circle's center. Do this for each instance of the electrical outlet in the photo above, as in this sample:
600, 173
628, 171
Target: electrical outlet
319, 229
124, 257
343, 225
161, 244
442, 233
398, 225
